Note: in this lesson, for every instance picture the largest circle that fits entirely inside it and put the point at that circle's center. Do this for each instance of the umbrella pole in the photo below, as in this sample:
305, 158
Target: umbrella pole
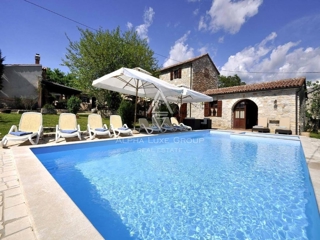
135, 107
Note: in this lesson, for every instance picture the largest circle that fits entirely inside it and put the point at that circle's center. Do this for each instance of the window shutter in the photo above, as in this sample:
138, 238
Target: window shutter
206, 109
183, 111
219, 112
171, 75
179, 73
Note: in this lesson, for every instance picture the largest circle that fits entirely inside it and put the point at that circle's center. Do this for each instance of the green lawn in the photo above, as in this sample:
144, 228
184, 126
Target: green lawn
315, 135
49, 120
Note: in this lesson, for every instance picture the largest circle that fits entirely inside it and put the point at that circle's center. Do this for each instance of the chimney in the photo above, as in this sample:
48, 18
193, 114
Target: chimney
37, 58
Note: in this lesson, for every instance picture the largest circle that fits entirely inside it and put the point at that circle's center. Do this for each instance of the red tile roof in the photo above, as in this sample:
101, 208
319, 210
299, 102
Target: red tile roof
280, 84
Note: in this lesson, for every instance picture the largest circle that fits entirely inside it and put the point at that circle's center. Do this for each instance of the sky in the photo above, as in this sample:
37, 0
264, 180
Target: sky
259, 40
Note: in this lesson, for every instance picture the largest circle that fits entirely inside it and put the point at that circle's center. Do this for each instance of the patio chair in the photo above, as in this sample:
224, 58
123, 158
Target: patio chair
117, 127
30, 126
284, 126
262, 125
67, 126
175, 122
167, 125
95, 127
144, 125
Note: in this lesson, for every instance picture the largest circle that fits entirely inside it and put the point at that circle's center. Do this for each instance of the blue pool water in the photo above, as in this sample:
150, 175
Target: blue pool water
203, 185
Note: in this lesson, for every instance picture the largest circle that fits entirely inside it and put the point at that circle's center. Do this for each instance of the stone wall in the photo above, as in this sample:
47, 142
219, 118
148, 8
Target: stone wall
205, 75
200, 75
265, 101
20, 81
185, 76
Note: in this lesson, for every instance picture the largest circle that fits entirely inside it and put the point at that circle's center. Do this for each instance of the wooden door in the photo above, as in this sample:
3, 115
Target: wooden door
240, 115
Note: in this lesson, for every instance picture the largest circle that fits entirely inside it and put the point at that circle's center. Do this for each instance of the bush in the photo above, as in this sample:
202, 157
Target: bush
49, 108
126, 111
73, 104
17, 103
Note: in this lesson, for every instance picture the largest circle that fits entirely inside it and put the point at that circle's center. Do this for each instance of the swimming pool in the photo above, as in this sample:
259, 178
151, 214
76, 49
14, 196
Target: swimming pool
189, 186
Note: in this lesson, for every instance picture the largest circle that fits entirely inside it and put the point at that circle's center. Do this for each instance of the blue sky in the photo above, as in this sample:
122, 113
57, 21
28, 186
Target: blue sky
260, 40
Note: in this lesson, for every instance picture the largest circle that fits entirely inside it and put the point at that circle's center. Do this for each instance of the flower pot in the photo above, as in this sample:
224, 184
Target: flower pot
305, 134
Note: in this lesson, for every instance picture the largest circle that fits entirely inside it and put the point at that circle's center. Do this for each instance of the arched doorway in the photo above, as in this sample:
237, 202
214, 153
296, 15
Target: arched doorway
245, 114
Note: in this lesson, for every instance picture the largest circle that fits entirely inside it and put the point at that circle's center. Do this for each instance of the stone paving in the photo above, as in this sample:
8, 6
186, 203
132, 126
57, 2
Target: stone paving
17, 221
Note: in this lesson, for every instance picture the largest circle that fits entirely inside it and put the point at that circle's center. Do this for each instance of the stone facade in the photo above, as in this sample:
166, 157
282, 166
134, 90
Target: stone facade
273, 104
199, 74
185, 79
20, 81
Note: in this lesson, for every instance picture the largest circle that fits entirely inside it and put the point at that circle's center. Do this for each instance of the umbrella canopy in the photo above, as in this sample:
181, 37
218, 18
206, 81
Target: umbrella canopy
136, 83
189, 96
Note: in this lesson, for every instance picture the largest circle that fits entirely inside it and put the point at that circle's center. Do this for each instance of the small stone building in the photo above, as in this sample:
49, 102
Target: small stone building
240, 107
27, 83
199, 74
20, 81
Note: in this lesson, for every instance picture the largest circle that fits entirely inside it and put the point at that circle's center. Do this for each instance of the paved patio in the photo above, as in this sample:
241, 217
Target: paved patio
26, 201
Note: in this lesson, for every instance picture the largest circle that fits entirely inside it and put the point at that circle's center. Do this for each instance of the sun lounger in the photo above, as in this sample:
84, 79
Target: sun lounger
262, 125
167, 126
284, 126
30, 127
117, 127
95, 127
67, 126
175, 122
145, 126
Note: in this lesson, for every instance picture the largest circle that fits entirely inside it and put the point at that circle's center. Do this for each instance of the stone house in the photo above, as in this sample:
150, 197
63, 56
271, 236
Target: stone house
199, 74
27, 82
240, 107
20, 81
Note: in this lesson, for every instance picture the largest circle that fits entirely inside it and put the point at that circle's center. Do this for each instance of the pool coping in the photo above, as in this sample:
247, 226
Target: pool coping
43, 195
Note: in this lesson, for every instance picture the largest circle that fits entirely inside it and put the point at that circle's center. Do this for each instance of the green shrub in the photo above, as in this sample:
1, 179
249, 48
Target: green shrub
17, 103
73, 104
126, 111
49, 108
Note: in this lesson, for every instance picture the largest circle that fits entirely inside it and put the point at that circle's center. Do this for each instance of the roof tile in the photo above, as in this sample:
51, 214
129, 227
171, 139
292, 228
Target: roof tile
285, 83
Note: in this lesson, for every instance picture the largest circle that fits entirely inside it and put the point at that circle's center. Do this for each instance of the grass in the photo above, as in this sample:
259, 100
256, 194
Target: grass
315, 135
49, 120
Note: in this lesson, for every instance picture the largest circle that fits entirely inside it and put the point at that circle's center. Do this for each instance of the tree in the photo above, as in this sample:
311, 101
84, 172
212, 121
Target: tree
313, 106
73, 104
126, 111
1, 69
229, 81
101, 52
60, 77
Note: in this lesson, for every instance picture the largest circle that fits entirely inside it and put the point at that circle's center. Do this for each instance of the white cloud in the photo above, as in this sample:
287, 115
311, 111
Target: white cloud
196, 12
202, 24
221, 39
203, 50
179, 52
265, 62
129, 25
229, 15
142, 29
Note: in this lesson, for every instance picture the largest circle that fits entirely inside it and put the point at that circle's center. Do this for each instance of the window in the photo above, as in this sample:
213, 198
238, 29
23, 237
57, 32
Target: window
240, 110
175, 74
213, 109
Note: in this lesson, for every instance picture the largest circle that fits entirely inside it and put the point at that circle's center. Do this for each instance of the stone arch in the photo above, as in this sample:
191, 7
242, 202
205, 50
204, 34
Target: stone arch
244, 113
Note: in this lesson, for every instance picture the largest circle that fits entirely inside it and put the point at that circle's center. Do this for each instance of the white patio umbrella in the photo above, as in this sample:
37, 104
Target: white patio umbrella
189, 96
136, 83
